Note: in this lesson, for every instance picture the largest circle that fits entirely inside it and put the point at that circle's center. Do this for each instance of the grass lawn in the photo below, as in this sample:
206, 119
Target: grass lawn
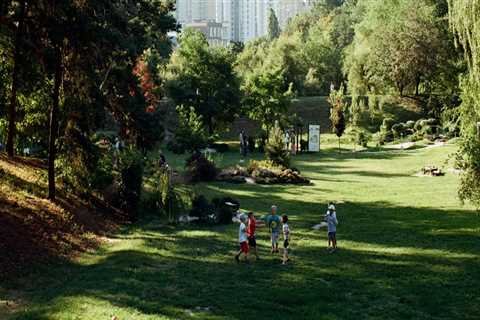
407, 250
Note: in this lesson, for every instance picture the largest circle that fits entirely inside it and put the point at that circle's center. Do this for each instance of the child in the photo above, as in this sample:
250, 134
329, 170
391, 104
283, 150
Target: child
273, 222
251, 227
242, 238
331, 219
286, 239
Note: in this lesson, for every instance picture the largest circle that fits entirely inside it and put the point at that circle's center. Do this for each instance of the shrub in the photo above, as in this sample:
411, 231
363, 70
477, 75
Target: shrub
175, 147
77, 159
263, 164
410, 124
190, 134
130, 184
251, 144
220, 147
303, 145
275, 148
201, 208
398, 129
261, 142
387, 124
224, 212
199, 168
361, 138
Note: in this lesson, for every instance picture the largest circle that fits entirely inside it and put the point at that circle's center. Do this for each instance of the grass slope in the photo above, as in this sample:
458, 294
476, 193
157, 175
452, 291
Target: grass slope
408, 250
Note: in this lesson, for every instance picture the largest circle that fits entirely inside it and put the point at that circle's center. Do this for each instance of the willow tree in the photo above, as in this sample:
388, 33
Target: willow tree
465, 22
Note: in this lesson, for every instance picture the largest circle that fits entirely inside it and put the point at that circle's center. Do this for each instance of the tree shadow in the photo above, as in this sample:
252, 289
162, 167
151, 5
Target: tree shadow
397, 270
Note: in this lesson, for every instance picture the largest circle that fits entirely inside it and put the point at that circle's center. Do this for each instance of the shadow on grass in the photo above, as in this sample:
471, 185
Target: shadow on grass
393, 262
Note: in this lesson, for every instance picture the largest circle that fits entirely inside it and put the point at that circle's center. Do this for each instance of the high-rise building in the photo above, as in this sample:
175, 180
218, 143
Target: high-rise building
241, 20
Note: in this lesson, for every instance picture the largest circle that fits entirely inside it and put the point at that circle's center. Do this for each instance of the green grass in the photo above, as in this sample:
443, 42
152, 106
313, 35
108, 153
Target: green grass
408, 250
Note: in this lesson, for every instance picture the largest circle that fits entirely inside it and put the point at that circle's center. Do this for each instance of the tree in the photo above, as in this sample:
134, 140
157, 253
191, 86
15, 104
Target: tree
265, 97
465, 22
337, 116
203, 77
275, 149
397, 45
17, 61
273, 25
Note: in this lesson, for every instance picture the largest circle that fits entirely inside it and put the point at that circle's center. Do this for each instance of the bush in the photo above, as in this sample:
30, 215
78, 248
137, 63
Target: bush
175, 147
275, 148
220, 147
398, 130
387, 124
201, 208
303, 145
130, 184
190, 134
77, 160
199, 168
410, 124
224, 212
251, 144
361, 138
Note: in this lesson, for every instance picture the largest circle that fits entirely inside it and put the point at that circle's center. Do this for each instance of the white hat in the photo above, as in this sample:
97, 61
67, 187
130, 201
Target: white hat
331, 207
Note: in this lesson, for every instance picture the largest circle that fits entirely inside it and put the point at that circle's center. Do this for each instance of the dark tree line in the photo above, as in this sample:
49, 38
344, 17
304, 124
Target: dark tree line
77, 57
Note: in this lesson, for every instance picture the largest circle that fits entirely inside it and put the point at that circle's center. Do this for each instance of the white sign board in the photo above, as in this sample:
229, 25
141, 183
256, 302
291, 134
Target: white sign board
313, 138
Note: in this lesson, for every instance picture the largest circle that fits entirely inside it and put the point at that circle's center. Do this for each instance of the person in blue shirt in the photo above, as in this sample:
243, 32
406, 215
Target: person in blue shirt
273, 222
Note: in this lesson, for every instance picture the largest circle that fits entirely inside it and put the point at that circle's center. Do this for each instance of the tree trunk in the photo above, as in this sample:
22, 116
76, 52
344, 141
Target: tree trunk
52, 151
417, 85
339, 149
12, 110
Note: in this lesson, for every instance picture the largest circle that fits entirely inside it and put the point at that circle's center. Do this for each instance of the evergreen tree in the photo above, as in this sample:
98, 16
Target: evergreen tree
273, 25
337, 116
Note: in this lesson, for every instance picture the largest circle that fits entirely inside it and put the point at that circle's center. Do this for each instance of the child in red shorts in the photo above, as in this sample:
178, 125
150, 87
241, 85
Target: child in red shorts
243, 239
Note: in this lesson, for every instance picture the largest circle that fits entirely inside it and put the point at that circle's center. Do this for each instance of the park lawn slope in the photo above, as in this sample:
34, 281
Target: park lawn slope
34, 230
408, 250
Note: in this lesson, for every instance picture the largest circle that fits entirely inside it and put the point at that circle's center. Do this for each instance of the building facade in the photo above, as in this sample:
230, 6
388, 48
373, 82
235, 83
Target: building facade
240, 20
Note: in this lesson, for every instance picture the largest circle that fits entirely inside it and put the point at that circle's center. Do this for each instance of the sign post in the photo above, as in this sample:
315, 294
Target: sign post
313, 138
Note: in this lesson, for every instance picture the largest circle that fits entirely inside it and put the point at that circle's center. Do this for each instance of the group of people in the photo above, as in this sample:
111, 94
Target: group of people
277, 226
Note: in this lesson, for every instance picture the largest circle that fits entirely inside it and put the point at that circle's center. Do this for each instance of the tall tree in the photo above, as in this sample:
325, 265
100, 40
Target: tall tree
465, 22
273, 25
17, 61
337, 115
265, 97
202, 77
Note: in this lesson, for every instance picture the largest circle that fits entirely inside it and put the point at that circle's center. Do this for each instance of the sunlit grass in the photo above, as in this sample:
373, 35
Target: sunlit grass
408, 250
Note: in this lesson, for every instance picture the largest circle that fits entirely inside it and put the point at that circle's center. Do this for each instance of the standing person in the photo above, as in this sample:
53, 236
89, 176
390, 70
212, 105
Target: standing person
242, 239
242, 133
251, 228
332, 222
292, 141
245, 144
286, 239
287, 139
273, 223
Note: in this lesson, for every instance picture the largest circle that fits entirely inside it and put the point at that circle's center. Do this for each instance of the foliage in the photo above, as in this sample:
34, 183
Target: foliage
190, 134
337, 116
202, 77
465, 22
275, 150
273, 25
77, 160
130, 180
199, 168
266, 97
202, 208
251, 144
220, 147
